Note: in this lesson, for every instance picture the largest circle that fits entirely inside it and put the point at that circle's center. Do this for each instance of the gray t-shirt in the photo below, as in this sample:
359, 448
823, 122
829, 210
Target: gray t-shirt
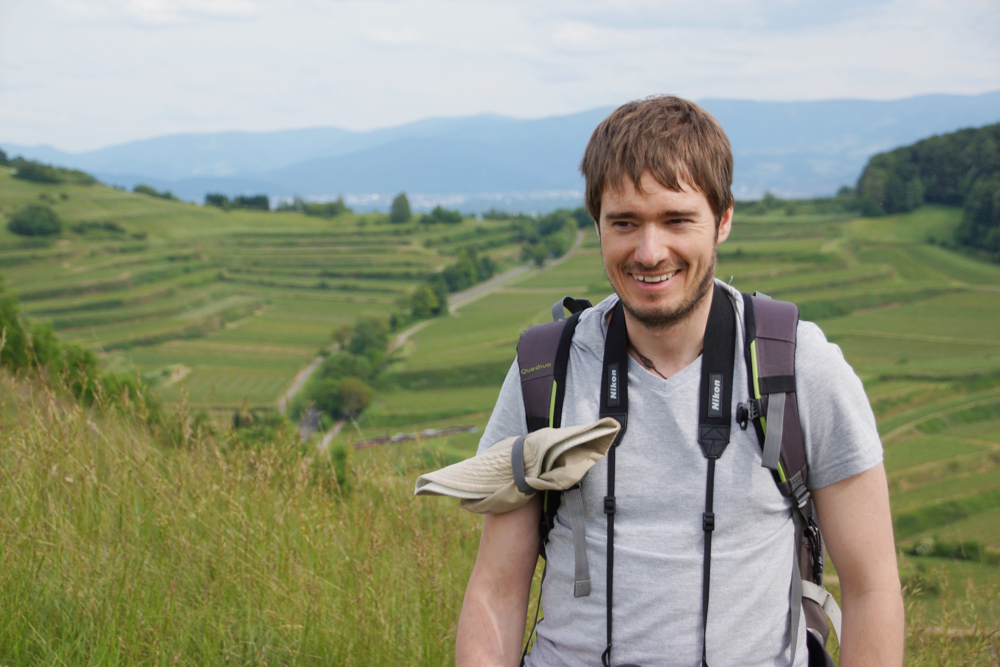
660, 479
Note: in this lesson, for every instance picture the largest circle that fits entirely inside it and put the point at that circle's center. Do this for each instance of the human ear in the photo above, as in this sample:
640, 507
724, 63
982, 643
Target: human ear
725, 225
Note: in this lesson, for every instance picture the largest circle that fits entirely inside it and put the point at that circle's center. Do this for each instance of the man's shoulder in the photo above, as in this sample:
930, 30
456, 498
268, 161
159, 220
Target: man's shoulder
813, 349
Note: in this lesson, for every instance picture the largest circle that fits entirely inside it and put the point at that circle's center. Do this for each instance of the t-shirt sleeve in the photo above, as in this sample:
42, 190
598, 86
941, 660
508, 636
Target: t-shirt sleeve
508, 418
841, 437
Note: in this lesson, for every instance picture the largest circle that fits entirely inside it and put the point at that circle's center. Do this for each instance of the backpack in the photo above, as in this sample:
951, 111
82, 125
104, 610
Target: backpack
769, 353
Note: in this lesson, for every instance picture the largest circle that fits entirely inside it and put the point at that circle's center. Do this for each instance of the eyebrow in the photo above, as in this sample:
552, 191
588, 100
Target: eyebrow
632, 215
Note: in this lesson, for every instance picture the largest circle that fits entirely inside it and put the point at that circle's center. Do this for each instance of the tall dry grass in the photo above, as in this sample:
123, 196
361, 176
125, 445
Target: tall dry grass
115, 550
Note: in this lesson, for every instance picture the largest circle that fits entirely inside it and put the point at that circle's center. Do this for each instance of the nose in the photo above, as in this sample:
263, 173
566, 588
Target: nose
652, 247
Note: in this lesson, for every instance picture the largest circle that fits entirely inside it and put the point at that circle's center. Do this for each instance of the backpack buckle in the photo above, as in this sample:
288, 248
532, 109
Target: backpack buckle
745, 412
815, 539
609, 504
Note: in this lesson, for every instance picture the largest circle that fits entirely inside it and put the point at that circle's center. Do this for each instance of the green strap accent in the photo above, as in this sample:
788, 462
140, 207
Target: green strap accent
552, 404
756, 394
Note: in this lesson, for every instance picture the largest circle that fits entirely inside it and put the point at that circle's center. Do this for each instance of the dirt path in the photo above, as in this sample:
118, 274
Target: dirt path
300, 379
476, 292
455, 301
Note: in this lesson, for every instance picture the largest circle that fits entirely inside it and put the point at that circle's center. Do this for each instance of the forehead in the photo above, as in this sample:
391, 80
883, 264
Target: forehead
650, 194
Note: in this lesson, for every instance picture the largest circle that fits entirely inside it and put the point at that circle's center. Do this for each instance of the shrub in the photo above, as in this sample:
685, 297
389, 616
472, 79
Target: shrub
217, 199
29, 170
144, 189
330, 209
36, 172
441, 215
253, 203
35, 220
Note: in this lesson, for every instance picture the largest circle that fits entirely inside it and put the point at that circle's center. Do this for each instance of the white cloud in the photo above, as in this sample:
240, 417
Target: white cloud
267, 64
391, 37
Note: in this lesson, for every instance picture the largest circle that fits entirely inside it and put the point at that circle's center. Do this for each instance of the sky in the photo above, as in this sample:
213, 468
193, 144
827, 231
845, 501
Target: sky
79, 74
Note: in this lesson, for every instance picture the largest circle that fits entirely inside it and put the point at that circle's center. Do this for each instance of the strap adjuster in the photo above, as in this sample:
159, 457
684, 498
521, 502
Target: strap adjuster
708, 521
609, 504
815, 540
745, 412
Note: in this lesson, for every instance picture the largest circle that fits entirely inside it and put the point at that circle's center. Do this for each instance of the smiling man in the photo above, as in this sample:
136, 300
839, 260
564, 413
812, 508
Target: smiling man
683, 527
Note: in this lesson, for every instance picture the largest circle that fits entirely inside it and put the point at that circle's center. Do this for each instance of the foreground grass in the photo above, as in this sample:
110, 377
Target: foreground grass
117, 551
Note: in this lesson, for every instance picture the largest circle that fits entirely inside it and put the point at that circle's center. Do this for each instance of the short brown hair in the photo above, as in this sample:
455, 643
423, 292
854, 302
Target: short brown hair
671, 137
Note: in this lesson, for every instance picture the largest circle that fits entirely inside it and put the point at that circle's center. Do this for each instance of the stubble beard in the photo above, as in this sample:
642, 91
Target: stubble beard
660, 319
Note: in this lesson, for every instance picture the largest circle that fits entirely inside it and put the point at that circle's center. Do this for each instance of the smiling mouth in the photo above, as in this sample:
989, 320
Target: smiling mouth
655, 279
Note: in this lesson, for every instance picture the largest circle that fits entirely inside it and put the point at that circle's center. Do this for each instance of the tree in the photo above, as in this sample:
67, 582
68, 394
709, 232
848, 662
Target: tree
253, 203
38, 172
980, 226
3, 158
370, 339
400, 210
330, 209
345, 397
35, 220
424, 302
144, 189
441, 215
355, 396
216, 199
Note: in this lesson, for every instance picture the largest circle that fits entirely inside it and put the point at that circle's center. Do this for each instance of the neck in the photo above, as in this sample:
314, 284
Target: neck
670, 349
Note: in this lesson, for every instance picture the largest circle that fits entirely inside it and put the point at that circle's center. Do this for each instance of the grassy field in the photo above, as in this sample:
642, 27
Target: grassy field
919, 323
119, 550
224, 307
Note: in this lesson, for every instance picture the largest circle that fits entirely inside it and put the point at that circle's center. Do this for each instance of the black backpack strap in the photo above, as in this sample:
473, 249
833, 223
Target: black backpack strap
714, 418
574, 306
543, 359
769, 346
614, 403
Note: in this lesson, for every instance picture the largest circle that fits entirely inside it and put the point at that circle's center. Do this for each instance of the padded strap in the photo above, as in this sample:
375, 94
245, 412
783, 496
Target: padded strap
517, 466
795, 590
775, 429
557, 311
574, 511
822, 597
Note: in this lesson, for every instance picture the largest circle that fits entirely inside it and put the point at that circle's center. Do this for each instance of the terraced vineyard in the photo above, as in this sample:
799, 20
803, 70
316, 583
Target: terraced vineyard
226, 307
918, 322
223, 307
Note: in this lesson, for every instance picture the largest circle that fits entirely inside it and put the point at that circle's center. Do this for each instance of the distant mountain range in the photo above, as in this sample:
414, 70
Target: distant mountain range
793, 149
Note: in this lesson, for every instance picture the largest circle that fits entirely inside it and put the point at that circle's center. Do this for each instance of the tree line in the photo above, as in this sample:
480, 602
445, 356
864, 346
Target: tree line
957, 169
39, 172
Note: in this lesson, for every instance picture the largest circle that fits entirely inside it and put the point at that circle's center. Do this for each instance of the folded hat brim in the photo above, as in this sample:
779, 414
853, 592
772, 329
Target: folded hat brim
554, 459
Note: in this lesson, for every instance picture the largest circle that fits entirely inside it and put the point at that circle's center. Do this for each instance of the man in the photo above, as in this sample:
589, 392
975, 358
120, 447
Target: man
658, 177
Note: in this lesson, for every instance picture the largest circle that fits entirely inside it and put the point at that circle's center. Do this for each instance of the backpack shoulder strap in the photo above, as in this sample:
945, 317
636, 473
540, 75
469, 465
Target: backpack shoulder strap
542, 358
769, 345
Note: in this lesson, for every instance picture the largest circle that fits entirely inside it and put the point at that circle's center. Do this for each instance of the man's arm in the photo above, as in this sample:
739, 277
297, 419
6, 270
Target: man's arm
854, 517
491, 625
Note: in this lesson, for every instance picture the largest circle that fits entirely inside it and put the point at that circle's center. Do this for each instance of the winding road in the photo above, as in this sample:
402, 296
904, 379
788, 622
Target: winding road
455, 301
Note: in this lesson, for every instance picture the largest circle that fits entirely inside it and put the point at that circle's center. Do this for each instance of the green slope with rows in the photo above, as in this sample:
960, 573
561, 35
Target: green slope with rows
919, 323
221, 307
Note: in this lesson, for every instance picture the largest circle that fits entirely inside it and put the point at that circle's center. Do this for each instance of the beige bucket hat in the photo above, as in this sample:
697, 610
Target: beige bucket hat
505, 476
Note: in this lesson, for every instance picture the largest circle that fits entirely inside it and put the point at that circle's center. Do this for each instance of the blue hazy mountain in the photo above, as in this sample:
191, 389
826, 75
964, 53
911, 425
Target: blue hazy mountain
795, 149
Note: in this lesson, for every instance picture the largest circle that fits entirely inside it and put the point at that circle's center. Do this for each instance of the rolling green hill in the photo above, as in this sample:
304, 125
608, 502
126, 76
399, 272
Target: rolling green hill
919, 323
222, 307
225, 308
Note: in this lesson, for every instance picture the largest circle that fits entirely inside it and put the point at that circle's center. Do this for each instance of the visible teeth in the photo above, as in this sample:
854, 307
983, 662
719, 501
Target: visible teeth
654, 279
